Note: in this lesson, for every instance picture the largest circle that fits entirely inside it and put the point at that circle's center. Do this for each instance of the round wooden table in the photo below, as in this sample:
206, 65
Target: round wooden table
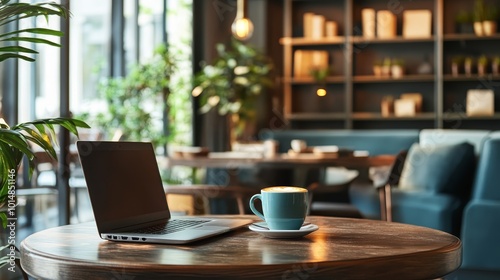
340, 249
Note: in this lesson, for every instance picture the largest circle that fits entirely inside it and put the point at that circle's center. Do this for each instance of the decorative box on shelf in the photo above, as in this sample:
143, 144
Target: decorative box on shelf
480, 102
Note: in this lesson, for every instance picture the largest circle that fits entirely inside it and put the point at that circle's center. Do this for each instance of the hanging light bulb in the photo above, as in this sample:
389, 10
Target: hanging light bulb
242, 26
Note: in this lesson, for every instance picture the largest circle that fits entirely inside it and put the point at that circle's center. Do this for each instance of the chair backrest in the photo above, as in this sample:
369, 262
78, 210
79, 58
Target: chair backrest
488, 172
439, 169
436, 137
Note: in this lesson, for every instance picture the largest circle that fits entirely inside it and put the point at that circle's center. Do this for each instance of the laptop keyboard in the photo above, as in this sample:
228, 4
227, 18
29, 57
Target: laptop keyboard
171, 226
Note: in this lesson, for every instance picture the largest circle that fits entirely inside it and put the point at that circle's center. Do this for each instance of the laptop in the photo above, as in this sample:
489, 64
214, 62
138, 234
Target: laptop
128, 200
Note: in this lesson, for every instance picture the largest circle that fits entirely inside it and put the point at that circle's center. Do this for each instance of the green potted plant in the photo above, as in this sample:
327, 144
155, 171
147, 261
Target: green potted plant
468, 62
386, 67
377, 68
478, 13
232, 85
464, 22
495, 65
490, 20
456, 64
397, 68
482, 64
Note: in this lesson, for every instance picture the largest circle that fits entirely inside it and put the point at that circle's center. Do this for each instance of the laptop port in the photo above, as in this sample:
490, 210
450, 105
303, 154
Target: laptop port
143, 239
115, 237
135, 238
109, 236
124, 237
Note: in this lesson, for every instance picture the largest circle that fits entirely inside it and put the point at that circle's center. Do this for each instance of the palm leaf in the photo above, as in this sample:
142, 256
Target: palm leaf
17, 49
32, 40
40, 31
15, 12
13, 55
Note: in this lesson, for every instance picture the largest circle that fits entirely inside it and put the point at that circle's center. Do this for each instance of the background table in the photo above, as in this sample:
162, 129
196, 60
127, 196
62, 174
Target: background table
340, 249
279, 161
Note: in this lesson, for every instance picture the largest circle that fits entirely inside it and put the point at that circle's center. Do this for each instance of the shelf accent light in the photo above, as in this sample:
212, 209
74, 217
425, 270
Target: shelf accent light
242, 27
321, 92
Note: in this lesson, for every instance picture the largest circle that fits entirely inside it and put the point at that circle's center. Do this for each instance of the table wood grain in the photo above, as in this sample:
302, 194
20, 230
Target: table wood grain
341, 249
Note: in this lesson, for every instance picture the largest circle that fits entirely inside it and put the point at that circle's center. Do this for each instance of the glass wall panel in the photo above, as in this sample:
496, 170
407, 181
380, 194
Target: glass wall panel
90, 30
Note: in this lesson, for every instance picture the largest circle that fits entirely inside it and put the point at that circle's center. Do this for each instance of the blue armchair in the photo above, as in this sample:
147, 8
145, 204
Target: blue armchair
433, 188
481, 222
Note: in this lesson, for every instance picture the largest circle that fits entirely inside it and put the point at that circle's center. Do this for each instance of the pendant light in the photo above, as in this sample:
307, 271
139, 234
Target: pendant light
242, 27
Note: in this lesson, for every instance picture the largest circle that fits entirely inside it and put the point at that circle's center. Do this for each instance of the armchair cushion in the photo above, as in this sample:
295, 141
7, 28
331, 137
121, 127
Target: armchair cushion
438, 211
439, 169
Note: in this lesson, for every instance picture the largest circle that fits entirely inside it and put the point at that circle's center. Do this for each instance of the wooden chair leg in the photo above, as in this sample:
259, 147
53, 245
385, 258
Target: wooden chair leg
388, 203
383, 203
241, 205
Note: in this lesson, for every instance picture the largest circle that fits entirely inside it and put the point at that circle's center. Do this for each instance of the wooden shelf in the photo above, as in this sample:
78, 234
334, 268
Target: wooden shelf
462, 116
398, 39
309, 80
301, 41
387, 79
317, 116
471, 78
352, 57
378, 117
469, 37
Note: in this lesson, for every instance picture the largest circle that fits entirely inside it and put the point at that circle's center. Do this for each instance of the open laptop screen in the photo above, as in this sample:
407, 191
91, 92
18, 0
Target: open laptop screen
124, 184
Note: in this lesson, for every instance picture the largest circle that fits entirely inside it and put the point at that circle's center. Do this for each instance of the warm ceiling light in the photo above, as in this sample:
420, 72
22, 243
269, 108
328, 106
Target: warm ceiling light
242, 26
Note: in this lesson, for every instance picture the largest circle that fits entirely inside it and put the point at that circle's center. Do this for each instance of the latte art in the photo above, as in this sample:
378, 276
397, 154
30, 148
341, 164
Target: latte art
284, 189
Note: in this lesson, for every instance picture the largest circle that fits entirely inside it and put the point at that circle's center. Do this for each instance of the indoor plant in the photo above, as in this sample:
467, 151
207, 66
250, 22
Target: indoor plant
495, 65
478, 17
468, 61
386, 66
135, 102
12, 12
482, 63
456, 64
16, 142
463, 22
397, 68
233, 83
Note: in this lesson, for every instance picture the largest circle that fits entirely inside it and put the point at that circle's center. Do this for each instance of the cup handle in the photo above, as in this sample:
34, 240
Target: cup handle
252, 207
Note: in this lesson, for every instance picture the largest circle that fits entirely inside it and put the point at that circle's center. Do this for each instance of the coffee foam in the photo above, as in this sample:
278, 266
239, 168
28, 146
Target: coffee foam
284, 189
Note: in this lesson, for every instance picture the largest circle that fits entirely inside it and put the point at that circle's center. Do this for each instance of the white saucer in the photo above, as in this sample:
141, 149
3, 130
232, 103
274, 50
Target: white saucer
304, 230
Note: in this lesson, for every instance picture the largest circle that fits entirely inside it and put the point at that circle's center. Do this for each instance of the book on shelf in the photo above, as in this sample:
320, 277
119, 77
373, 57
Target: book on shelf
331, 29
386, 24
368, 22
307, 60
317, 27
308, 24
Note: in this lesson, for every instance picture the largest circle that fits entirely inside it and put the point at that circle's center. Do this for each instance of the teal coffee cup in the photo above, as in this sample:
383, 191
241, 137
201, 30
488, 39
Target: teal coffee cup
284, 208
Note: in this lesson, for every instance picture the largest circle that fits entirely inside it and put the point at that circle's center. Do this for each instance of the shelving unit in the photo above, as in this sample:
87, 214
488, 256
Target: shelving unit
354, 93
